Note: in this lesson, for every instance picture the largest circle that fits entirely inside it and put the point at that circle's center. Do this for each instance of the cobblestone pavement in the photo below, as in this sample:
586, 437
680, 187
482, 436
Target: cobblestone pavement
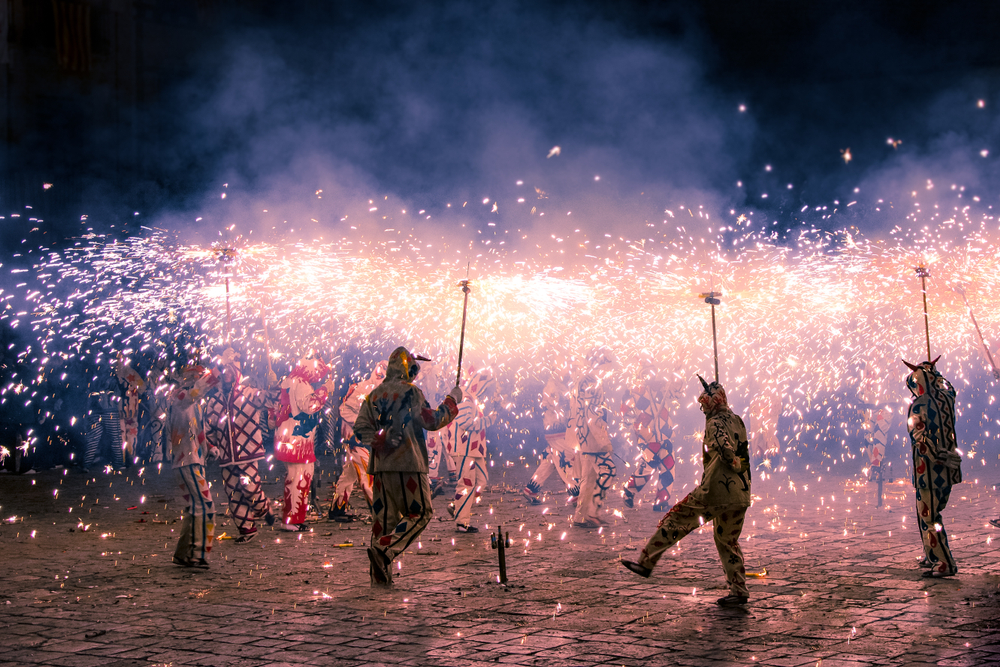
841, 587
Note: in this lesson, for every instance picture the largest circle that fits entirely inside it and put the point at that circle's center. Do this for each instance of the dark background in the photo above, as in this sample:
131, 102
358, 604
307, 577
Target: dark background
149, 106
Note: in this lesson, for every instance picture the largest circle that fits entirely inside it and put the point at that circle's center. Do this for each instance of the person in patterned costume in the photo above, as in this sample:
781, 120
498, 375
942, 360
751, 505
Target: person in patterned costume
188, 448
560, 454
233, 429
470, 426
132, 386
649, 406
356, 455
298, 417
392, 421
588, 426
722, 497
936, 463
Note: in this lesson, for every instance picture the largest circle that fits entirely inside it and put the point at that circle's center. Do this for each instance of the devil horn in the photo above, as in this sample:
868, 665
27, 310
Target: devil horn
705, 384
935, 360
910, 366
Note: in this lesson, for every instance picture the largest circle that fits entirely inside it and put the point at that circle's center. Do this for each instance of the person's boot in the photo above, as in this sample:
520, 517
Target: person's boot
732, 600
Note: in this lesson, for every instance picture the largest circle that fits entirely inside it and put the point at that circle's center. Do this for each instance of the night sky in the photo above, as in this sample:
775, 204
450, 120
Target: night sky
456, 101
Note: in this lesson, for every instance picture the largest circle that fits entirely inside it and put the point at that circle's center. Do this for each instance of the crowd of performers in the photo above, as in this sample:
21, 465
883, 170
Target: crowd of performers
402, 451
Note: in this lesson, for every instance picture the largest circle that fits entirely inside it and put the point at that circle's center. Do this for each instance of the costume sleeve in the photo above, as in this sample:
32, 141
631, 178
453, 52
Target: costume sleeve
717, 439
431, 420
470, 417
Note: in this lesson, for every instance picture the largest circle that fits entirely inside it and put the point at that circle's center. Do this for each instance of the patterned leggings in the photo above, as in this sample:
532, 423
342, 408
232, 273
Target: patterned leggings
657, 457
198, 527
933, 491
247, 502
97, 422
400, 511
298, 481
471, 480
690, 514
595, 480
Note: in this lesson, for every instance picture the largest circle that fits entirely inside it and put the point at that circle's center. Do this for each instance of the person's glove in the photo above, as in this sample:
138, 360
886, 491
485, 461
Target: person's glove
456, 394
229, 357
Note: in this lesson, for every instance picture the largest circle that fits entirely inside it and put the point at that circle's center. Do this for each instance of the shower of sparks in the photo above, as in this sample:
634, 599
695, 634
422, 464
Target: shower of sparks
813, 326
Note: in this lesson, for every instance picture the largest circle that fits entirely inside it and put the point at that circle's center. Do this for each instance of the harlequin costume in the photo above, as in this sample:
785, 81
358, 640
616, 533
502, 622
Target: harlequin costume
104, 416
588, 426
297, 419
722, 497
648, 404
356, 455
392, 421
232, 413
936, 463
560, 453
188, 448
470, 425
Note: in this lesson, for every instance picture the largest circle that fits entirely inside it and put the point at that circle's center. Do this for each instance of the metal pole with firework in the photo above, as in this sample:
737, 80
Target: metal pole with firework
226, 257
712, 298
924, 274
464, 284
986, 348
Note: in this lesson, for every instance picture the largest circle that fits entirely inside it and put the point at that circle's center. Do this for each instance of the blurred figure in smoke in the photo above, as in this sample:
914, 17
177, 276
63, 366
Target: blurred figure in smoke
560, 454
356, 456
188, 448
392, 421
879, 413
132, 385
470, 426
104, 417
441, 445
649, 405
936, 464
588, 426
156, 412
297, 418
722, 497
234, 433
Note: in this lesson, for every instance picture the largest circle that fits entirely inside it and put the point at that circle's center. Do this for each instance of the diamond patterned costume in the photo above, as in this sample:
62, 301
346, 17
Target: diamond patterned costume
649, 406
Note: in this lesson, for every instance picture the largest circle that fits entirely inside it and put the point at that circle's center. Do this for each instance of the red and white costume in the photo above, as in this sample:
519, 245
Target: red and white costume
470, 426
294, 440
356, 454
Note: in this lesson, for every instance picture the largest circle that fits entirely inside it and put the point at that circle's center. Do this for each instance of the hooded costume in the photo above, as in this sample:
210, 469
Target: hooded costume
295, 438
233, 429
132, 386
588, 427
649, 406
936, 463
392, 421
560, 454
357, 455
470, 425
722, 497
188, 448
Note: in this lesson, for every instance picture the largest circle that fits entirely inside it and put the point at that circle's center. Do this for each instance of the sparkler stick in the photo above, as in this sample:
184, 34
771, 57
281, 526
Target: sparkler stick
961, 290
226, 257
712, 298
465, 308
924, 274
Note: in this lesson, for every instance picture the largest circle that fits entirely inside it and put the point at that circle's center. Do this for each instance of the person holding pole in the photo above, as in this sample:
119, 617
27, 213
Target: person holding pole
721, 498
392, 421
470, 425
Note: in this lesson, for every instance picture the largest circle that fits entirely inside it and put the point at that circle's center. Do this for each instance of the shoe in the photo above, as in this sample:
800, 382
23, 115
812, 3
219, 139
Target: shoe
245, 538
201, 564
451, 510
437, 488
589, 523
295, 527
532, 497
601, 521
629, 502
995, 523
638, 569
924, 563
732, 600
934, 574
662, 508
183, 562
341, 516
379, 573
269, 518
462, 528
